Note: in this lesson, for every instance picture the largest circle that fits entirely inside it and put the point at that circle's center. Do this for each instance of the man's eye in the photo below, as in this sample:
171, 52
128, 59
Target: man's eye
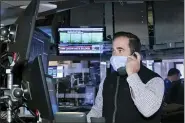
120, 51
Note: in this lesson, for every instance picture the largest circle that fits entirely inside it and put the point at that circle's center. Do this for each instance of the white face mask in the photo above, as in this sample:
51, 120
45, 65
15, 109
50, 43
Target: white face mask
118, 61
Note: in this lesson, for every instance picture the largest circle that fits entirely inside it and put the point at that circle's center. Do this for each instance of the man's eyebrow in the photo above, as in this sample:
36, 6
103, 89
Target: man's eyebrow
120, 48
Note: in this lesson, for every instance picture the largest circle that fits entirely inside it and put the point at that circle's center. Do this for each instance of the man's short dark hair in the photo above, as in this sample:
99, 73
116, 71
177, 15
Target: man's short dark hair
134, 41
173, 71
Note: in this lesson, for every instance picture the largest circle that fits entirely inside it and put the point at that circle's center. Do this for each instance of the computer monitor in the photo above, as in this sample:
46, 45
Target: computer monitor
90, 92
70, 117
26, 25
40, 98
80, 40
52, 93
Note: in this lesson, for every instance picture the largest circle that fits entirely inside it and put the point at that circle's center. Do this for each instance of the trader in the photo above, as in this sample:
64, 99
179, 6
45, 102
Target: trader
173, 75
133, 97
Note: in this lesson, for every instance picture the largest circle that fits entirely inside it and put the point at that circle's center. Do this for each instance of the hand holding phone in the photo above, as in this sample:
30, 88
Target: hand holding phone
122, 70
133, 54
133, 63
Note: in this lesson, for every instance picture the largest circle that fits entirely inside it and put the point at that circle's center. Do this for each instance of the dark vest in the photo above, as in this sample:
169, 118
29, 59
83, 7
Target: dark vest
126, 111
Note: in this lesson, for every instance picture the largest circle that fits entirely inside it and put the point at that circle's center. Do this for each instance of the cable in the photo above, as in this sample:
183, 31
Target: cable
15, 114
2, 66
17, 117
2, 117
5, 114
2, 114
22, 105
30, 110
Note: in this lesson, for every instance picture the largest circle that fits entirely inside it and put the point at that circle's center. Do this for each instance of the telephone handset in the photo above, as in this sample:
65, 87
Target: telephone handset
122, 70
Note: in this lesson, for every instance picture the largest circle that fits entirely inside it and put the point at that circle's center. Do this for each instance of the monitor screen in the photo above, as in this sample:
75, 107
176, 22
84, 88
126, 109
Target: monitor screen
52, 93
52, 71
84, 40
89, 95
56, 71
39, 46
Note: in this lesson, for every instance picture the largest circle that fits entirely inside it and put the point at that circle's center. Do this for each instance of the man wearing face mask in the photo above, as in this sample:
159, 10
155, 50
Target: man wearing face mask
133, 93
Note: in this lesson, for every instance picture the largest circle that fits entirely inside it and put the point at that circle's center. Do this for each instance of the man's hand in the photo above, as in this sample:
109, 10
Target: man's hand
133, 64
